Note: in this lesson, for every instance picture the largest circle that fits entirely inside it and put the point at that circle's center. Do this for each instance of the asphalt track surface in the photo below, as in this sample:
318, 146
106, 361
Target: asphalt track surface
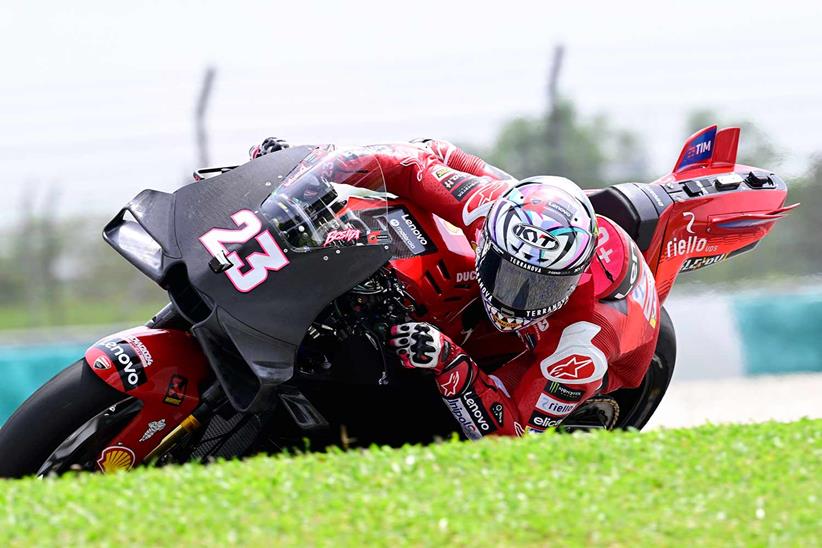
740, 400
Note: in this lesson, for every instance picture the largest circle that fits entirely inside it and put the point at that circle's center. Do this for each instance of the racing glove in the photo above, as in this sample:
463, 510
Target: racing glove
479, 402
420, 345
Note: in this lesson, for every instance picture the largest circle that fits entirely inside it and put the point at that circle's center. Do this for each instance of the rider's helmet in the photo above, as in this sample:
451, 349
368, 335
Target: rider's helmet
537, 240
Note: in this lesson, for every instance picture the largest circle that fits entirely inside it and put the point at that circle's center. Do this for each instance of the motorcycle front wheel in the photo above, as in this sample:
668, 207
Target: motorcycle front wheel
58, 424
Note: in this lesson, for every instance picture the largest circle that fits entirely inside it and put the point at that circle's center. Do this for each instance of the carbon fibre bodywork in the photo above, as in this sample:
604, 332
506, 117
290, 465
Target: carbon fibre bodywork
250, 338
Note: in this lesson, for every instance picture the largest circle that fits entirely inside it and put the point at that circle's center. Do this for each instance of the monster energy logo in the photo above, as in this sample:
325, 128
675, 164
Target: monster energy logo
563, 392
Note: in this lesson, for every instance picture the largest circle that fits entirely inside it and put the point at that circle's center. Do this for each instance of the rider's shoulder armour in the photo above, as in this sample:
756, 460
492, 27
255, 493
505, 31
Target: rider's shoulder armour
617, 262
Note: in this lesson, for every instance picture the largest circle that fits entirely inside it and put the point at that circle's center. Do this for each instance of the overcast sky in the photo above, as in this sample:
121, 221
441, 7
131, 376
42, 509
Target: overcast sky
97, 97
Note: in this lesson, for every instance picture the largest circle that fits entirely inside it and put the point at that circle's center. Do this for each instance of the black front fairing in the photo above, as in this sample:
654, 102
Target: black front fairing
266, 324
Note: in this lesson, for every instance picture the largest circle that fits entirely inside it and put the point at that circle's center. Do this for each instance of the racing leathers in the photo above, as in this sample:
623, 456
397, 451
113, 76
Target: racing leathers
601, 340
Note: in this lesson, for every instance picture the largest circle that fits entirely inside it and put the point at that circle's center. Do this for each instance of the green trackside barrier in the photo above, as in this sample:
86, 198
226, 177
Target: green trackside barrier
780, 333
24, 369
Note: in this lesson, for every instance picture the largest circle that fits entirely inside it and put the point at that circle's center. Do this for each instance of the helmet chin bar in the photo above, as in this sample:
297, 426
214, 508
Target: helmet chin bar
504, 322
508, 320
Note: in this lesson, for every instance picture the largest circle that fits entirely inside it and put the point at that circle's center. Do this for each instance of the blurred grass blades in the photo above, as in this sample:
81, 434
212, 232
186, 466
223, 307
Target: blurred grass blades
713, 485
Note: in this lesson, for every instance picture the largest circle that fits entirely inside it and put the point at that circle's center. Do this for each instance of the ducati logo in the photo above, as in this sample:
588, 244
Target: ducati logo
102, 363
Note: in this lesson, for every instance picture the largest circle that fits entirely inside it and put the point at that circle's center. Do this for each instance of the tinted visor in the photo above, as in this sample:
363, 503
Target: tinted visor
526, 292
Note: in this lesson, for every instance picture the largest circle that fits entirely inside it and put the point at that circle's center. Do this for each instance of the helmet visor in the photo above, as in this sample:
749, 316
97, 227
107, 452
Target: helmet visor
528, 292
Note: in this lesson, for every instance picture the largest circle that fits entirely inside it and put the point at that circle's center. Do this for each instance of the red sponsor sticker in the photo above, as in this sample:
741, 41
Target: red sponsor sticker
176, 391
378, 237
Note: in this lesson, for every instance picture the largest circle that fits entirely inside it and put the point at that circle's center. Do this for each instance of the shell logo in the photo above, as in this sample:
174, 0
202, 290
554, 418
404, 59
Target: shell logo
115, 459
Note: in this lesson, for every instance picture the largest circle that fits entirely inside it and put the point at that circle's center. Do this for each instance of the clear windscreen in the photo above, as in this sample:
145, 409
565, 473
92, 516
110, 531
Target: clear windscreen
333, 198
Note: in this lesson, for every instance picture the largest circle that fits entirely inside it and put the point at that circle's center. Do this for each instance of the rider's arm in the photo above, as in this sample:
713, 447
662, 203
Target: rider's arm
460, 160
533, 392
433, 180
479, 402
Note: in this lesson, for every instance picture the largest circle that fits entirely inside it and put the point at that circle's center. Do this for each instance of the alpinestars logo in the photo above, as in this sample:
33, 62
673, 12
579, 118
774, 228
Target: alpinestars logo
479, 204
577, 360
412, 161
576, 367
449, 387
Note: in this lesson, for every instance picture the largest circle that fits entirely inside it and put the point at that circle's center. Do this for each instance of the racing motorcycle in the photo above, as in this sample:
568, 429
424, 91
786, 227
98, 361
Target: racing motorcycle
283, 281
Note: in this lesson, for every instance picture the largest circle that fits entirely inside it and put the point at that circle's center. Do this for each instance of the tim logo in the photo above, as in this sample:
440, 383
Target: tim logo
699, 149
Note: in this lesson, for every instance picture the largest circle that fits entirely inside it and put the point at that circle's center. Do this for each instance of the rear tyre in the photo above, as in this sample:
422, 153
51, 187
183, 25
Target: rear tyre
50, 416
638, 404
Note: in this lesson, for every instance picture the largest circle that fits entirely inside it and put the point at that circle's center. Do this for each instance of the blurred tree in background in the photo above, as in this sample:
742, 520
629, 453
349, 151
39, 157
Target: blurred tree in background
60, 272
591, 153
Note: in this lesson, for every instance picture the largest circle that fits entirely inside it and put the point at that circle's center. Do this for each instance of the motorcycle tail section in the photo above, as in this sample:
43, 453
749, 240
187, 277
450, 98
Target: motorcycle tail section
720, 208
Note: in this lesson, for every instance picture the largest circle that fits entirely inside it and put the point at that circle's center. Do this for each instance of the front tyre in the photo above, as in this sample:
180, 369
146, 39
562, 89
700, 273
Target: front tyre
51, 416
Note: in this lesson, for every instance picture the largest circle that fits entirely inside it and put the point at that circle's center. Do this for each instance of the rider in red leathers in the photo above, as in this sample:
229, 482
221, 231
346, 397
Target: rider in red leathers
570, 283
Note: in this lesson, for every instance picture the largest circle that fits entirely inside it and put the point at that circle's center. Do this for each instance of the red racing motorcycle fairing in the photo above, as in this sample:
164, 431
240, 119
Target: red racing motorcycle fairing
163, 369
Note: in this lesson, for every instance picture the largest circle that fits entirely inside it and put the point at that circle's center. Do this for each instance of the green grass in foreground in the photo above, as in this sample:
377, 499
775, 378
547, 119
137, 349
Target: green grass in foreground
713, 485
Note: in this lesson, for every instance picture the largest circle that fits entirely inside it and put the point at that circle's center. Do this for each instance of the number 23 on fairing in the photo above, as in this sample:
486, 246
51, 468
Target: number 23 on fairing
259, 263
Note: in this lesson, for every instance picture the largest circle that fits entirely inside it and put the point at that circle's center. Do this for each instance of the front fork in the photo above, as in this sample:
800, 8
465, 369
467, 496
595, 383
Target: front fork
212, 398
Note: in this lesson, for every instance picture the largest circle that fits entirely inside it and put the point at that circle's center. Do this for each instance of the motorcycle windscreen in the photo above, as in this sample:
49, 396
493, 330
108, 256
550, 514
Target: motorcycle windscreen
331, 201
